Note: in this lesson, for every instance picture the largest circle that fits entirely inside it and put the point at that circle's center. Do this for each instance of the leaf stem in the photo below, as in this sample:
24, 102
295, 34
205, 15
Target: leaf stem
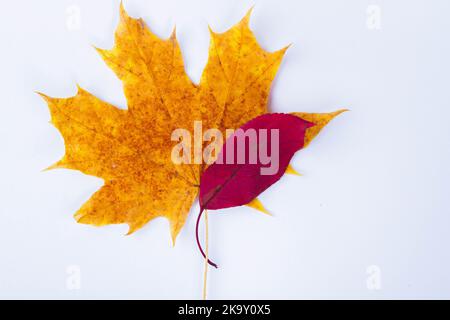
198, 241
205, 274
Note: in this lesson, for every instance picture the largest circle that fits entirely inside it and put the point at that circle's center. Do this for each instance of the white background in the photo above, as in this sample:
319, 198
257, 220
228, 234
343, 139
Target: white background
375, 190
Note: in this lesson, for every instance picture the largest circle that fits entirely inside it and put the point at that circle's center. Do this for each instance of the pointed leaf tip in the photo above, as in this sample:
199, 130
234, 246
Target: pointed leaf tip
319, 119
173, 34
257, 205
249, 12
211, 31
43, 96
123, 12
291, 170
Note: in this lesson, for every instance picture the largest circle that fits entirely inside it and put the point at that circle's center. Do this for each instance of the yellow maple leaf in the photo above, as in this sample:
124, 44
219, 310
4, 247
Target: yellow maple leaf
130, 149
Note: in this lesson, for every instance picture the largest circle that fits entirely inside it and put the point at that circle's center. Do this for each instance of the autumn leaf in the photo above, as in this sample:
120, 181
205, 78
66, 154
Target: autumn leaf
130, 149
251, 160
236, 182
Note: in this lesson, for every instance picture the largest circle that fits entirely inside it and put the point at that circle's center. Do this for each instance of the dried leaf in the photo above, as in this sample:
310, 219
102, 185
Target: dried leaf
234, 182
130, 149
241, 172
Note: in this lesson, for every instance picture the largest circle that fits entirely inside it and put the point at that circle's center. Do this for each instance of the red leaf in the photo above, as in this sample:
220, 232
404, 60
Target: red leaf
244, 170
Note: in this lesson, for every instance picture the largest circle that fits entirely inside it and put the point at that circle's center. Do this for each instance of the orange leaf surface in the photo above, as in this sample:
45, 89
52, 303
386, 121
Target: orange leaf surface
131, 149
